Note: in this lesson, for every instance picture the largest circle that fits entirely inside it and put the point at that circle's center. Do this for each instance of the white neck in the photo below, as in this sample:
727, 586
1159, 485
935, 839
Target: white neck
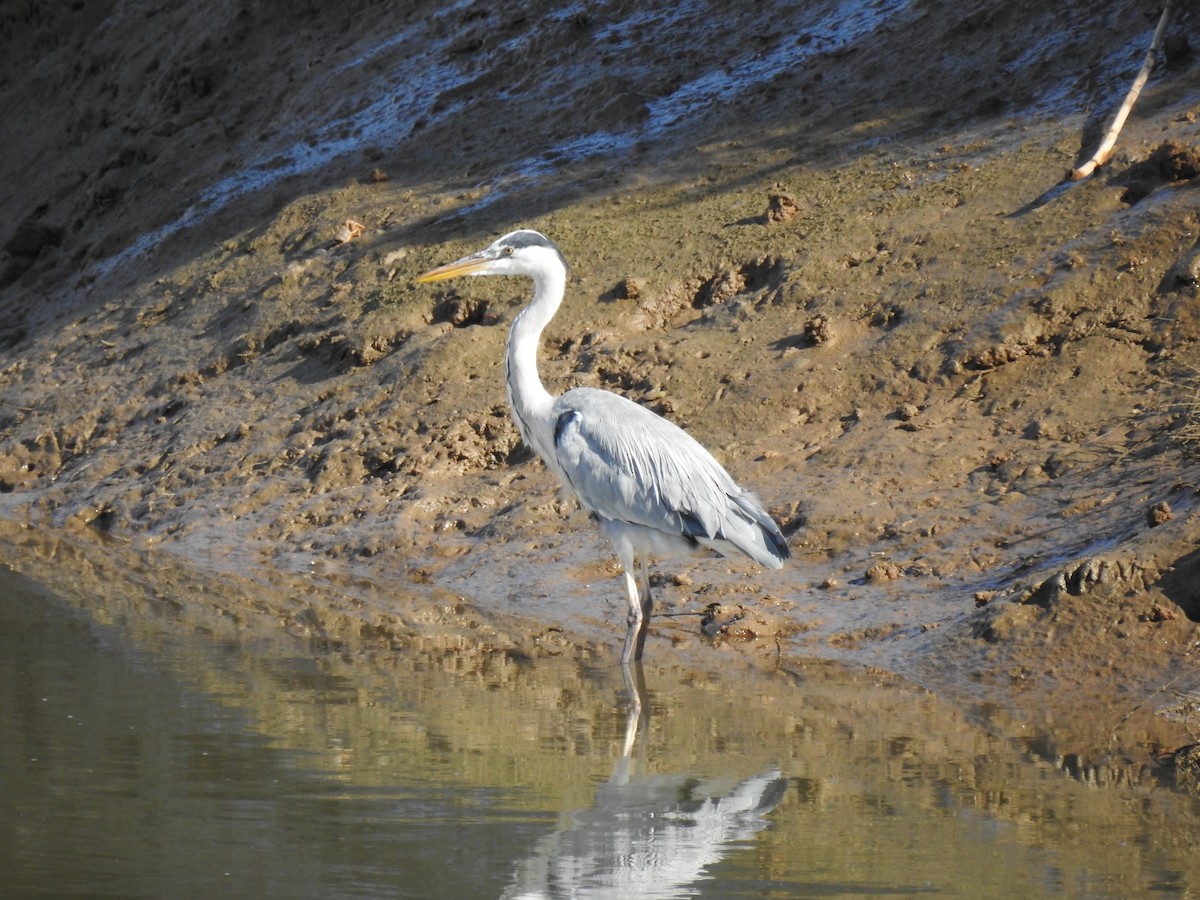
530, 401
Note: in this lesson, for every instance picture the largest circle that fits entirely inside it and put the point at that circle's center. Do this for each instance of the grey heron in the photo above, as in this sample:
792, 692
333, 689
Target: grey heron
653, 488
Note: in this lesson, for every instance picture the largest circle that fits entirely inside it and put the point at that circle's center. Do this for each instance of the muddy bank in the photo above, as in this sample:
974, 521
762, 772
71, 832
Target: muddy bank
835, 247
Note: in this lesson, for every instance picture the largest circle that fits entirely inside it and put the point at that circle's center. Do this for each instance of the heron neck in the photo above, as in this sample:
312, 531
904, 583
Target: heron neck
529, 399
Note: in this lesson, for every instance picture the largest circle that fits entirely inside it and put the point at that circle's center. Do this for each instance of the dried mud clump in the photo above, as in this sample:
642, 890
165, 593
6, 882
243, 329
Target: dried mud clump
1159, 514
1171, 162
781, 209
883, 570
994, 357
1175, 161
628, 289
721, 288
818, 331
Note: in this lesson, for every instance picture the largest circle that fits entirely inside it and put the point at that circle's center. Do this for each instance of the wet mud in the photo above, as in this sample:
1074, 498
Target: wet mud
836, 246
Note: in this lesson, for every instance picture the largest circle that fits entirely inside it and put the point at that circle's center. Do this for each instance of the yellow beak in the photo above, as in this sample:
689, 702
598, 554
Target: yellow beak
465, 266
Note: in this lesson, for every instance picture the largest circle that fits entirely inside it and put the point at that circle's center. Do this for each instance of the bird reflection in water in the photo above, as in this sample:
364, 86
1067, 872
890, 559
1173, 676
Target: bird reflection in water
646, 836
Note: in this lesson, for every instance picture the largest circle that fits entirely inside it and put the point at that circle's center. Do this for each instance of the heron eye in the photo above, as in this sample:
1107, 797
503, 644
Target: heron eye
508, 251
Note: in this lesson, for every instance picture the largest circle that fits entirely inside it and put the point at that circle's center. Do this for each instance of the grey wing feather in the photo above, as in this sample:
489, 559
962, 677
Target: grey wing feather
628, 464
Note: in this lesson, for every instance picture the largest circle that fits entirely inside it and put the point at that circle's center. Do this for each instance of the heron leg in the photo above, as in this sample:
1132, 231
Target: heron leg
638, 622
644, 583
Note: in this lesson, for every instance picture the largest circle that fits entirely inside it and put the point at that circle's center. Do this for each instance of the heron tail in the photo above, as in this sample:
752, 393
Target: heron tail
749, 528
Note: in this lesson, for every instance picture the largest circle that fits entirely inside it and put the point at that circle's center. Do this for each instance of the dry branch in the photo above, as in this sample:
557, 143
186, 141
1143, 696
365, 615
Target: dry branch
1104, 151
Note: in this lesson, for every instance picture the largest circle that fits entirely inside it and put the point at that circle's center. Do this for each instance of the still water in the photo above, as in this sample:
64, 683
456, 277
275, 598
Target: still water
144, 753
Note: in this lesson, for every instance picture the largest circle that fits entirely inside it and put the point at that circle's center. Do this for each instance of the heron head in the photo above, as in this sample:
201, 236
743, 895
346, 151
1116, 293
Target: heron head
523, 252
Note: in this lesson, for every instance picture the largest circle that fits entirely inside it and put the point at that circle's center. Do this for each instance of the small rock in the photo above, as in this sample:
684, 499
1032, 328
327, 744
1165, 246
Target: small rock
983, 598
629, 289
818, 331
781, 208
883, 570
1159, 513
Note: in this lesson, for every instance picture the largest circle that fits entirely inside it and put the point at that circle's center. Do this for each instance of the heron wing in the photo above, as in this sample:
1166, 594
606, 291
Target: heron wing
628, 464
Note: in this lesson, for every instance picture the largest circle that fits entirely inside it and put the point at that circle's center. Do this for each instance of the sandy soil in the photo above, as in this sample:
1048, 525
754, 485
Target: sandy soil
834, 244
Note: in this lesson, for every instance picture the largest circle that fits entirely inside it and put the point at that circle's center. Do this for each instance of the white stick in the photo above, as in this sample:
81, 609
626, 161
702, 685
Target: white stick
1104, 151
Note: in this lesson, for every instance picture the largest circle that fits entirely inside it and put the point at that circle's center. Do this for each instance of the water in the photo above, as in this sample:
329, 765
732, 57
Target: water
148, 751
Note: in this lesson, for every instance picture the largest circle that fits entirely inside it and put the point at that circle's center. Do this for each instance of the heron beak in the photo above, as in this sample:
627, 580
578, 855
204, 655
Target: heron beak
468, 265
